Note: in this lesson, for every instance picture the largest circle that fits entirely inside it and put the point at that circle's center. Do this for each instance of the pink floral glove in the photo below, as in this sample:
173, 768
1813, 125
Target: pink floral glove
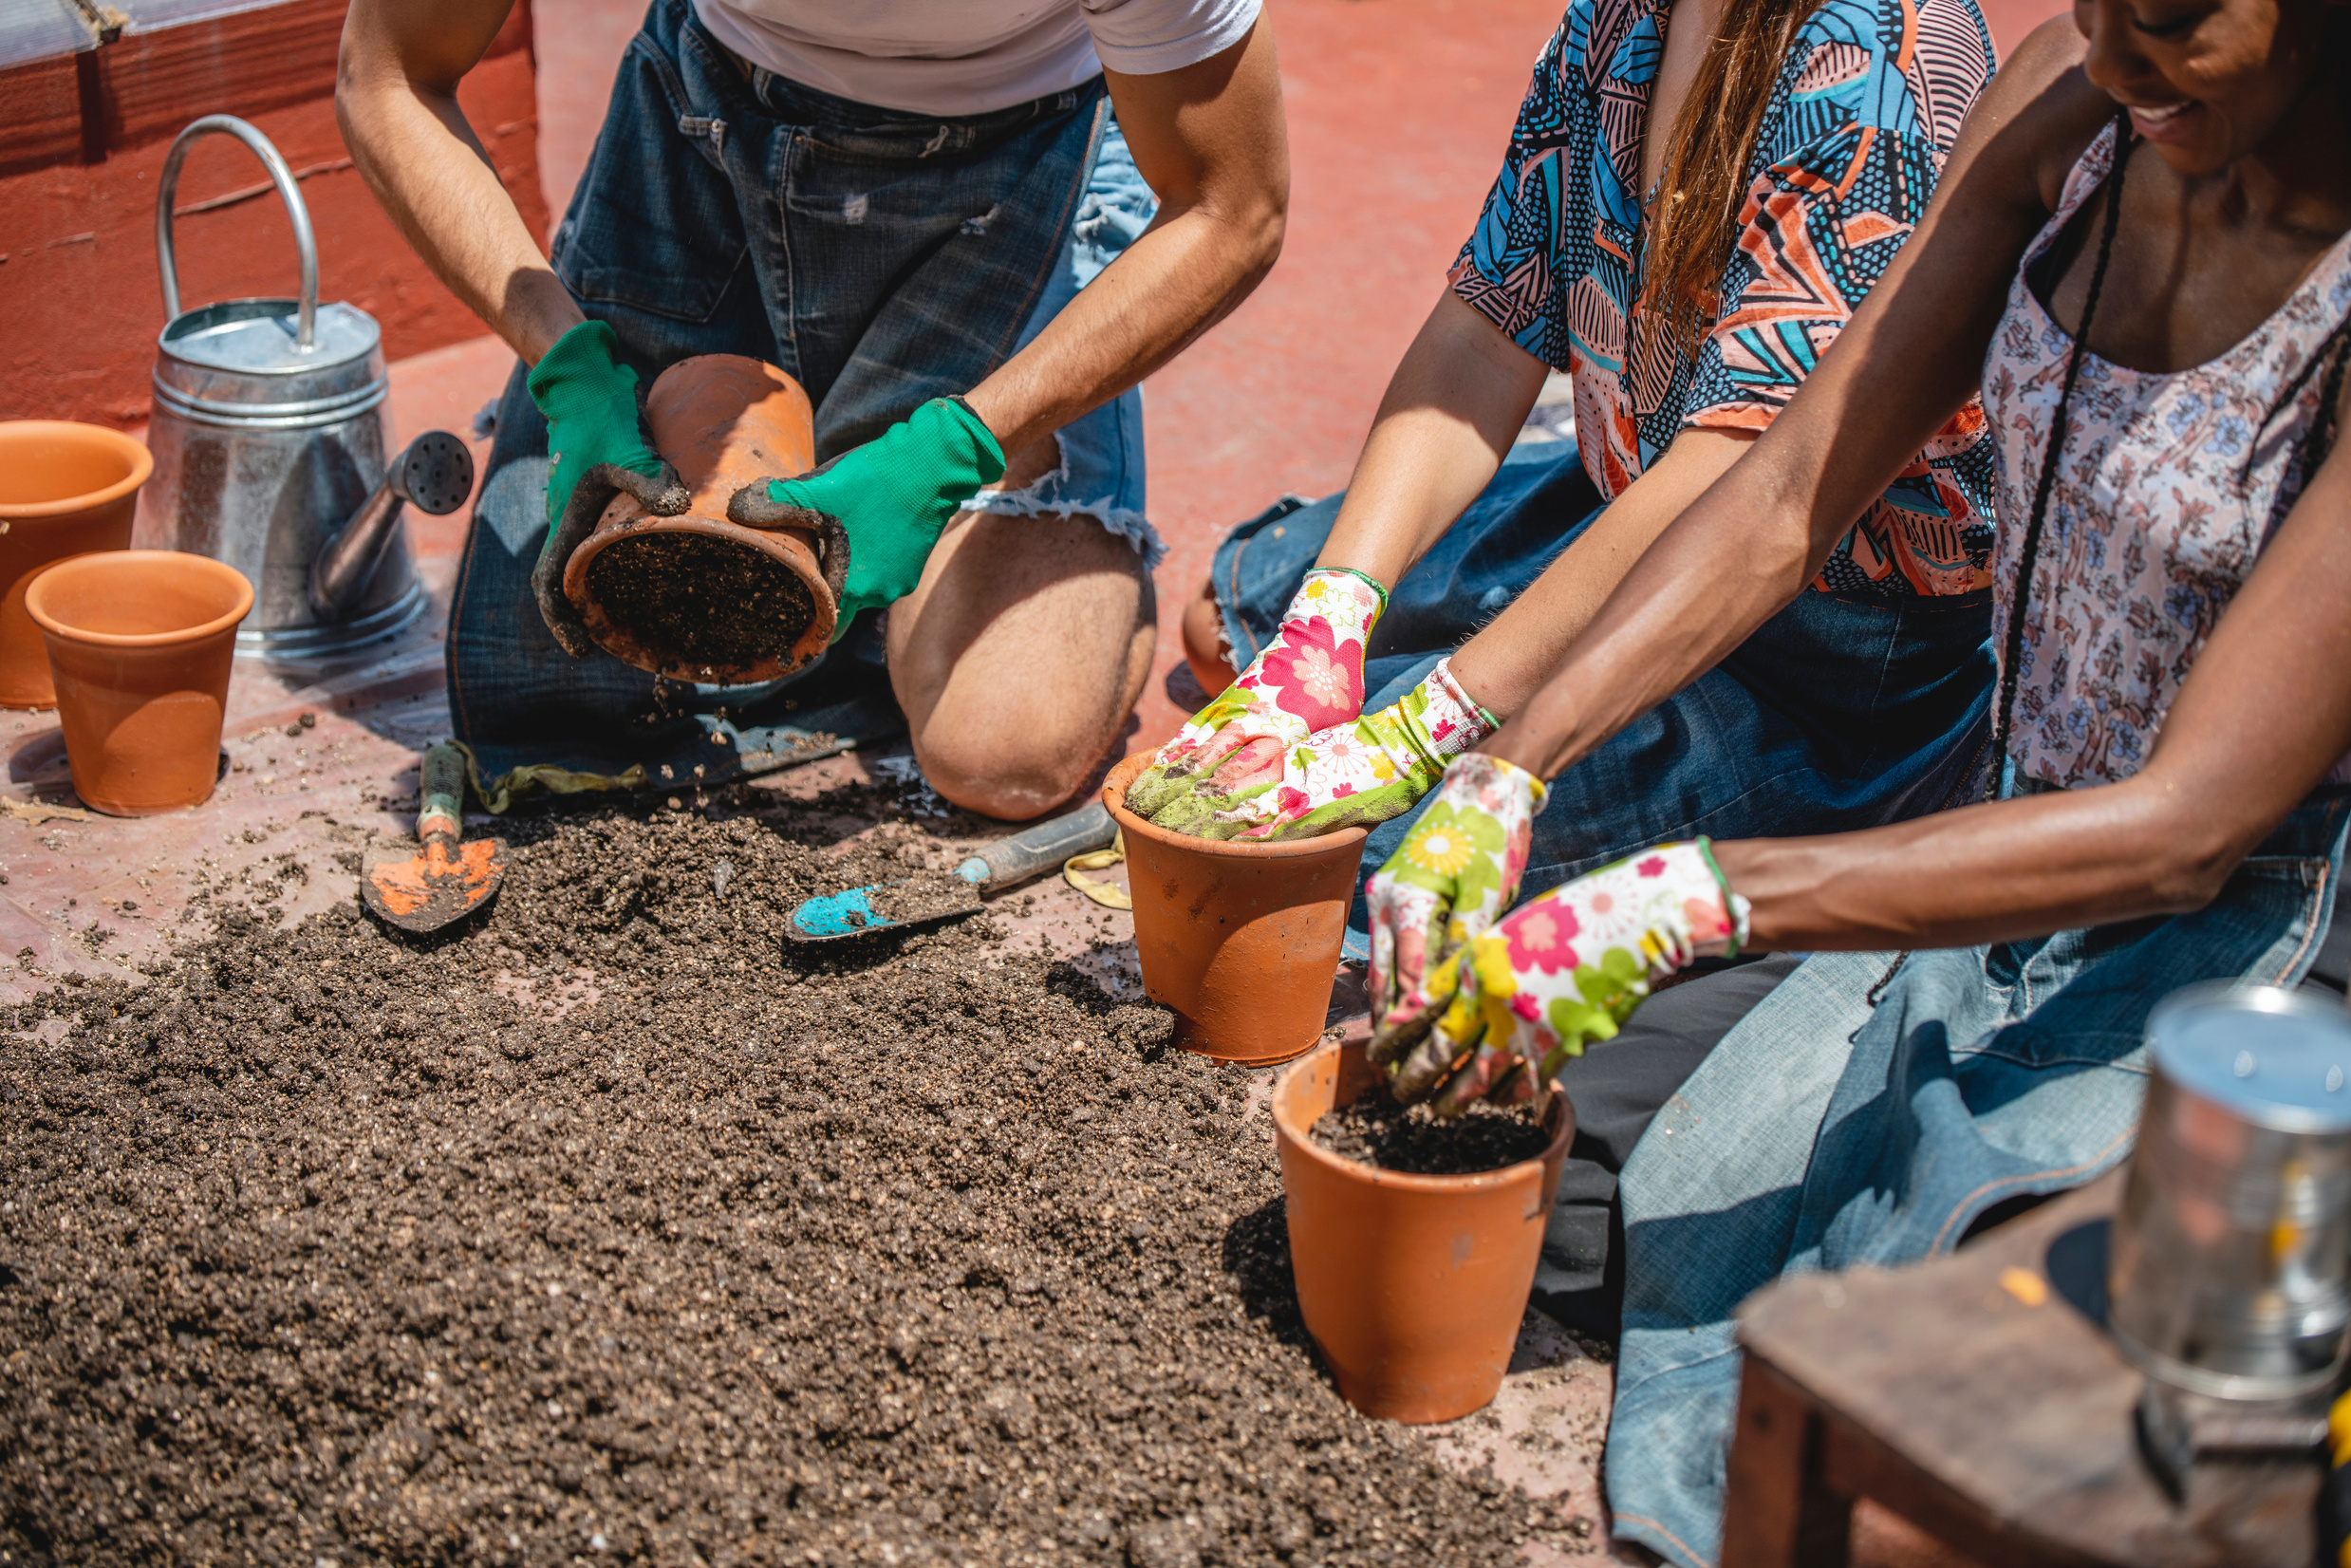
1348, 775
1561, 969
1309, 677
1453, 875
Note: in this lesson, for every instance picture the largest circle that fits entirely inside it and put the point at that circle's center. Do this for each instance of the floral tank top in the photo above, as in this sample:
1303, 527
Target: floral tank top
2154, 519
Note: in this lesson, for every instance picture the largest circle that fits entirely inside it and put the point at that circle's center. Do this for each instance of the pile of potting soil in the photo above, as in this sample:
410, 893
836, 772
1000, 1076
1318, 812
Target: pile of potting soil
711, 606
1415, 1140
614, 1229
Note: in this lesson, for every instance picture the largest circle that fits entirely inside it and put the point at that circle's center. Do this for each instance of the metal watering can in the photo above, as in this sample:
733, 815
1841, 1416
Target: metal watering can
267, 434
2229, 1262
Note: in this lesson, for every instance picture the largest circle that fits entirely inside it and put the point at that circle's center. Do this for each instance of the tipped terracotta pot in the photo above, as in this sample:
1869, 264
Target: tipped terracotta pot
65, 488
696, 597
141, 642
1412, 1287
1240, 939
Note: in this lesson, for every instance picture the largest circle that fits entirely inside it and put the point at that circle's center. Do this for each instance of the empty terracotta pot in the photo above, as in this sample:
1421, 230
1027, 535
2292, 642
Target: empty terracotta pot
1240, 939
65, 488
141, 642
696, 597
1412, 1287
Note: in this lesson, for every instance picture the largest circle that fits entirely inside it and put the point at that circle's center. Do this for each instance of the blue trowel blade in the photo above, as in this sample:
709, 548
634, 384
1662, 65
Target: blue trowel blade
850, 912
846, 913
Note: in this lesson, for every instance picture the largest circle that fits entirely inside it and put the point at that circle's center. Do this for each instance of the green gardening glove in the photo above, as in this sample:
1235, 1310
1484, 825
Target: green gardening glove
883, 503
597, 447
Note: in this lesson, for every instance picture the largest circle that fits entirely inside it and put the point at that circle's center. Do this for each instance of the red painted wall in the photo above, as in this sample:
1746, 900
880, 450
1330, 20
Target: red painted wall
82, 144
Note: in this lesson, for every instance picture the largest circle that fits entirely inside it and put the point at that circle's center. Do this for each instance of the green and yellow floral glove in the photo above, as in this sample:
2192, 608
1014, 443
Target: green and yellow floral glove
883, 503
1453, 875
1349, 775
597, 447
1309, 677
1563, 969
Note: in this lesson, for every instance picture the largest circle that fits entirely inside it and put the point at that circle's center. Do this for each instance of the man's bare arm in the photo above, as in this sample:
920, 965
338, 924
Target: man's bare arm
1211, 140
396, 98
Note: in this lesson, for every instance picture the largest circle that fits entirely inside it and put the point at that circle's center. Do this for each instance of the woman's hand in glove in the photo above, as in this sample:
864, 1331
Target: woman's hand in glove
597, 447
1350, 774
1564, 969
1309, 677
884, 503
1450, 879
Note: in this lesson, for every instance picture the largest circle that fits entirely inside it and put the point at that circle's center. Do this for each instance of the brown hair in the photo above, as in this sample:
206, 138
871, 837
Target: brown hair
1702, 185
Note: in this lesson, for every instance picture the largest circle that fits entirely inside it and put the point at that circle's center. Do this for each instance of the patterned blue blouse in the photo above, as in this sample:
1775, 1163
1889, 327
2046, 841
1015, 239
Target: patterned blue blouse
1867, 105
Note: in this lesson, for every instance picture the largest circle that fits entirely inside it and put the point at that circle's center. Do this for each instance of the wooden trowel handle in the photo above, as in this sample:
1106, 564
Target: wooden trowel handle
441, 788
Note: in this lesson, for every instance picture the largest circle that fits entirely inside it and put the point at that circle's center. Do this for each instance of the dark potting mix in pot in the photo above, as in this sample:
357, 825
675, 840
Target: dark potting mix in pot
721, 605
1414, 1139
611, 1227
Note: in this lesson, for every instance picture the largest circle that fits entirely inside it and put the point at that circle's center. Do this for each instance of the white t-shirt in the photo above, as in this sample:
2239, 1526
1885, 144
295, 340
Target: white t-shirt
963, 57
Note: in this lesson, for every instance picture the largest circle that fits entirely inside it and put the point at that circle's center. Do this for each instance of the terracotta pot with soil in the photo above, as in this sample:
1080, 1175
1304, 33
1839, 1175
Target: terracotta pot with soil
1412, 1285
1240, 939
141, 642
65, 488
696, 597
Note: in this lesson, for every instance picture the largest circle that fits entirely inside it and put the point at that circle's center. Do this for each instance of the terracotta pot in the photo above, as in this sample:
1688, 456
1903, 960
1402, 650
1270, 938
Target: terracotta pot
1242, 940
1412, 1287
141, 642
65, 490
723, 422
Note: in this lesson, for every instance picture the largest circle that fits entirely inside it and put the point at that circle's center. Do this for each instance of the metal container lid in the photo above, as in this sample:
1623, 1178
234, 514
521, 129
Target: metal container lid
2281, 1059
240, 360
256, 337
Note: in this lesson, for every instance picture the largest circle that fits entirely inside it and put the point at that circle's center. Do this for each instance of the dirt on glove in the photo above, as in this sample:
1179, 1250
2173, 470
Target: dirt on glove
708, 604
613, 1228
1413, 1139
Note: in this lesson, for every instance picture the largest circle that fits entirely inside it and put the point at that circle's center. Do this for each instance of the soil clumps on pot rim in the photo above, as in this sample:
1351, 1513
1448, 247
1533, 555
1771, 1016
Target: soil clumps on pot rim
707, 604
1376, 1130
614, 1228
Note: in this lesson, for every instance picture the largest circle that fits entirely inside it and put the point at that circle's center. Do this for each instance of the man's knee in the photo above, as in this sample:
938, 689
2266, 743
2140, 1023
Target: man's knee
1013, 772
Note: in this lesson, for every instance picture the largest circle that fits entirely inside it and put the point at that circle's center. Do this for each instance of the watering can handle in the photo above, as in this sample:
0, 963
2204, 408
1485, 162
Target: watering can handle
279, 176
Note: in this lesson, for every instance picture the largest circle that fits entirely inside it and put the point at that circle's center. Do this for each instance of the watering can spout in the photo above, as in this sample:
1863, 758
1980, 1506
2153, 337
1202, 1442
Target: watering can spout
436, 474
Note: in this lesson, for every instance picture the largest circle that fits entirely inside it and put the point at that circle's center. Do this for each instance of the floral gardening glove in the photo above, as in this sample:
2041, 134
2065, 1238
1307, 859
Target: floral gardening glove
596, 447
1351, 775
1561, 969
1309, 677
1453, 875
884, 503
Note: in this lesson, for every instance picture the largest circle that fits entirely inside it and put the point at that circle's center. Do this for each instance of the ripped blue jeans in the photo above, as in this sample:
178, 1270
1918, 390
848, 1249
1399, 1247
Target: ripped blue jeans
881, 258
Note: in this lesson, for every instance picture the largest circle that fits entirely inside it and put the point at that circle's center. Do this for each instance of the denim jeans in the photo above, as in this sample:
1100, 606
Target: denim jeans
1835, 714
883, 259
1823, 1133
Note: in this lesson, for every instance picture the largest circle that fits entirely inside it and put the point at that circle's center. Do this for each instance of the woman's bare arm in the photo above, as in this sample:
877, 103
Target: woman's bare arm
2261, 718
1455, 404
1456, 400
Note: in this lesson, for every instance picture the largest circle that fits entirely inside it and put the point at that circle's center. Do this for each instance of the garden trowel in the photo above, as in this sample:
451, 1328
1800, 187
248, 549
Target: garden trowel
885, 905
424, 885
